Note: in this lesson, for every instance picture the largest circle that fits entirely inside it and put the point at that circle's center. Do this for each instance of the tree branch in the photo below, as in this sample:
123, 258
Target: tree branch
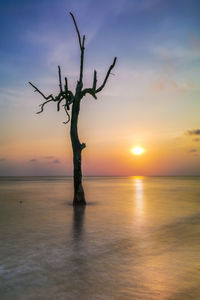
83, 145
45, 97
107, 75
60, 80
58, 104
78, 33
66, 85
68, 95
92, 91
94, 80
82, 48
88, 91
65, 93
48, 98
81, 66
83, 42
42, 106
68, 116
82, 59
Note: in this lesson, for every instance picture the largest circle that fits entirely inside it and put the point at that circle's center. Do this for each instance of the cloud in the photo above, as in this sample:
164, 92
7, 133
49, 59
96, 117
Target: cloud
165, 84
173, 52
56, 161
2, 159
193, 132
124, 6
33, 160
192, 150
52, 159
60, 44
195, 42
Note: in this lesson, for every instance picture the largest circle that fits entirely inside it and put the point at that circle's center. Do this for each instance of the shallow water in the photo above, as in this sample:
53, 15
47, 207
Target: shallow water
138, 238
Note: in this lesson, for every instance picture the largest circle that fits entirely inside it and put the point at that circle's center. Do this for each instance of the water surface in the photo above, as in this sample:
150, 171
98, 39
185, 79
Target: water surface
138, 238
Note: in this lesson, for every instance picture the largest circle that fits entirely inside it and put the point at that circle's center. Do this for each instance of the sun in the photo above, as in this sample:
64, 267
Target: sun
137, 150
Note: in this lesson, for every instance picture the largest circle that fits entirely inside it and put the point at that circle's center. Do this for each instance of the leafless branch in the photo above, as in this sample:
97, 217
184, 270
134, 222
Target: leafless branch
83, 145
68, 116
42, 106
45, 97
82, 60
48, 98
66, 85
94, 80
83, 42
60, 80
92, 91
68, 95
58, 103
88, 91
107, 75
78, 33
65, 93
82, 48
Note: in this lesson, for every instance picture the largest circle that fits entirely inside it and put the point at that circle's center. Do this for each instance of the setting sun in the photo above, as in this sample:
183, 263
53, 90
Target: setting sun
137, 150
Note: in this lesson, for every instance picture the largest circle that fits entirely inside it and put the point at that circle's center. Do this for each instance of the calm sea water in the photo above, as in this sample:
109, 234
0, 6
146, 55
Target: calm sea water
138, 238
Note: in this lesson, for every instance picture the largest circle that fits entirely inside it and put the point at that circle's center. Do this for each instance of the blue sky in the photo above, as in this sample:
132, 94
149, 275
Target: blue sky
152, 100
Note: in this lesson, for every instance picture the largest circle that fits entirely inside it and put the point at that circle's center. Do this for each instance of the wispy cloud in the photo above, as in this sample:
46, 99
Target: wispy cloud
56, 161
123, 6
192, 150
13, 96
165, 84
193, 132
52, 159
195, 42
174, 52
33, 160
60, 45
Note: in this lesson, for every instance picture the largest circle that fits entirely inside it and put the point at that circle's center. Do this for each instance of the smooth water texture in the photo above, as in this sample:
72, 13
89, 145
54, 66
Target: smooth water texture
138, 238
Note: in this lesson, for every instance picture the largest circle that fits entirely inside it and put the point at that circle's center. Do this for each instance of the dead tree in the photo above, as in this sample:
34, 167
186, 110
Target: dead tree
70, 100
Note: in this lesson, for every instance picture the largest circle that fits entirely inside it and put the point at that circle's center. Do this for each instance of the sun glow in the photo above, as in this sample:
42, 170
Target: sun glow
137, 150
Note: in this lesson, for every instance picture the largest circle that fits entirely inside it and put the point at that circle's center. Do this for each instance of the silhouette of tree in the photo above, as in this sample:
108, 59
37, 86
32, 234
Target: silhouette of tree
72, 101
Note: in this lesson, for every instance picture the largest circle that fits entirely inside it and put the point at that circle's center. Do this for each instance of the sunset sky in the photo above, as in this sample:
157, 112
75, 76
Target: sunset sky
151, 101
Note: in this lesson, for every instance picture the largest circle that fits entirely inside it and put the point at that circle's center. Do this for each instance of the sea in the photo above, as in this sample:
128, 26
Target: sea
138, 238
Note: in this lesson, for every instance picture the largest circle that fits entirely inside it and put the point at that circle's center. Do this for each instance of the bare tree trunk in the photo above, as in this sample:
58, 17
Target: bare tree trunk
79, 197
70, 99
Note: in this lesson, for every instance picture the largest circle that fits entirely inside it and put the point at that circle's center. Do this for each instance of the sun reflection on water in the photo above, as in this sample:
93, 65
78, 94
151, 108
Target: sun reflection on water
138, 182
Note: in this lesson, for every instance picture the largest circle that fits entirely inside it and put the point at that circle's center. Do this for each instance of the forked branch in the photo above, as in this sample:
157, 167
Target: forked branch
48, 98
107, 75
88, 91
66, 94
37, 90
92, 91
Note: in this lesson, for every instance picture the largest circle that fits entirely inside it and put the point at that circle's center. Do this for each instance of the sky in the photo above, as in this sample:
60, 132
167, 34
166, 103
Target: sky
151, 100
